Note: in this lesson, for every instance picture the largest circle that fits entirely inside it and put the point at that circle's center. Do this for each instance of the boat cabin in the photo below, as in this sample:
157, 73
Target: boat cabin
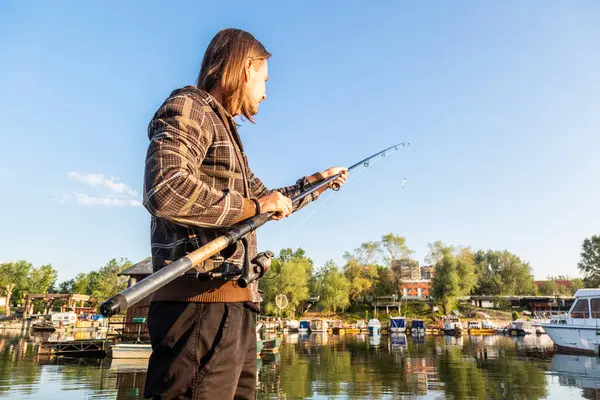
304, 326
64, 318
586, 306
398, 322
474, 325
486, 324
375, 323
417, 324
318, 325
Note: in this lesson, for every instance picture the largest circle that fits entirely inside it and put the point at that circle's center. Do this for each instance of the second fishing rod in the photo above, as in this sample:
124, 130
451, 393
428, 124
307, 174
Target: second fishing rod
150, 284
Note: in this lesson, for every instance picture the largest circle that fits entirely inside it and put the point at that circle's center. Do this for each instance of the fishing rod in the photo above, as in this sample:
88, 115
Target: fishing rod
133, 294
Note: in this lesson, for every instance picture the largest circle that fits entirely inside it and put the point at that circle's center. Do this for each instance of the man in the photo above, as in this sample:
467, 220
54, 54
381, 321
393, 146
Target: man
197, 184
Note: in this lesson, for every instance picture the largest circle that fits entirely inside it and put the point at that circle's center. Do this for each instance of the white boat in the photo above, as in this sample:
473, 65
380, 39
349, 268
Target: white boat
579, 330
292, 325
68, 318
126, 350
318, 325
397, 324
361, 325
304, 326
374, 326
521, 328
452, 325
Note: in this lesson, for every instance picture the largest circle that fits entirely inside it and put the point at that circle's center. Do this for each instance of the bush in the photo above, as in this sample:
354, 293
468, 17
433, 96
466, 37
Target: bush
515, 315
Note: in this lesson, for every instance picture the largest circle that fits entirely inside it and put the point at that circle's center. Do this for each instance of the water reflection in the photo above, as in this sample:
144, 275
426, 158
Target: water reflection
347, 366
582, 372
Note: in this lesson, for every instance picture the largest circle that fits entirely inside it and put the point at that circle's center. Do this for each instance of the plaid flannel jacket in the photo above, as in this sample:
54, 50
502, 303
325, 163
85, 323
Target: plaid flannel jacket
196, 184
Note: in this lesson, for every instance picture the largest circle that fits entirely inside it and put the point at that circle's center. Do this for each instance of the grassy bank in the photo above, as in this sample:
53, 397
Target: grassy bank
414, 310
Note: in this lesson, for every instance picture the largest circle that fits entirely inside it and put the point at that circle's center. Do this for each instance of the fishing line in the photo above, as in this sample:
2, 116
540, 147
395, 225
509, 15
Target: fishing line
319, 204
185, 265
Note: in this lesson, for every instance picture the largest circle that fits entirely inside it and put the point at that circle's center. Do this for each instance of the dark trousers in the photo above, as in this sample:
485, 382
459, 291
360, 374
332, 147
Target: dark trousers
201, 351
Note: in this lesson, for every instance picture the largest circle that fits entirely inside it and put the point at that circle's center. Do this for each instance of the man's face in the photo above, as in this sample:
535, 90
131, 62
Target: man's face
257, 74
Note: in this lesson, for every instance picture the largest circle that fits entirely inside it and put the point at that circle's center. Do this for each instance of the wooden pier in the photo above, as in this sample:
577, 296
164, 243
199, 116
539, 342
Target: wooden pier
74, 348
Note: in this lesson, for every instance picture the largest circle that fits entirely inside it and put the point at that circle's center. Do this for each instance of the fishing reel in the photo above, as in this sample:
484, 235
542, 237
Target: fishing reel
255, 269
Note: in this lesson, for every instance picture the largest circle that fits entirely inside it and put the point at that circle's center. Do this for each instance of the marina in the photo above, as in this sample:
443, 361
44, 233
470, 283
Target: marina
327, 365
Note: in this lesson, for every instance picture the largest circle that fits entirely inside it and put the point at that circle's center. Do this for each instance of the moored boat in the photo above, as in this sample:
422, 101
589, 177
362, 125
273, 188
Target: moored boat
291, 325
481, 328
304, 326
318, 325
361, 325
579, 330
452, 325
374, 326
520, 328
397, 324
43, 326
337, 328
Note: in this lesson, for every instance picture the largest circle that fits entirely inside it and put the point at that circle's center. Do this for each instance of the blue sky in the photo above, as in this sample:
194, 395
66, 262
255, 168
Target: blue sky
499, 100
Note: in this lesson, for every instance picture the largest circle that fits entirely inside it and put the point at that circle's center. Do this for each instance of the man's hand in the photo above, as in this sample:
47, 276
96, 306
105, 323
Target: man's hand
334, 171
277, 203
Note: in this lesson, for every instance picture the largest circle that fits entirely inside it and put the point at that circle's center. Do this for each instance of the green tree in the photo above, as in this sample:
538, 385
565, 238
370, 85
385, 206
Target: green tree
549, 288
41, 279
436, 252
366, 254
287, 254
589, 264
107, 282
576, 284
503, 273
335, 289
82, 283
292, 277
66, 286
394, 248
362, 277
13, 275
454, 276
387, 284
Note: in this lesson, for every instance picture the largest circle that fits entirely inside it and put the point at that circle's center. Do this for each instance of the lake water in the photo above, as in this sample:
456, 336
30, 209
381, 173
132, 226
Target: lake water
331, 366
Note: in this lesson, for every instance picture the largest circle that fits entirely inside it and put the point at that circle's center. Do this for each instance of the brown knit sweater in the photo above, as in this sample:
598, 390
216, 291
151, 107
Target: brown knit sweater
196, 184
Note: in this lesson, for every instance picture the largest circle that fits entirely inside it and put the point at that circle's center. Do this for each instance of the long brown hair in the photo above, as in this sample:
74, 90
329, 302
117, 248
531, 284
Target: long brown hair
223, 66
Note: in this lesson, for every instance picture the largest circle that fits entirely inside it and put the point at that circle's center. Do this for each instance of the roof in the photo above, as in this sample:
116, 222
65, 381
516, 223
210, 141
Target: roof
587, 292
143, 267
496, 297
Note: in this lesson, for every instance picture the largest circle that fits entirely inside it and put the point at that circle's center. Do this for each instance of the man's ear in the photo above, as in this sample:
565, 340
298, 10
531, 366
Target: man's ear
247, 69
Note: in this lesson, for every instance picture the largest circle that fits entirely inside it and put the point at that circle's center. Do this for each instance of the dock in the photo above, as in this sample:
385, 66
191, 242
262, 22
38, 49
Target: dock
75, 348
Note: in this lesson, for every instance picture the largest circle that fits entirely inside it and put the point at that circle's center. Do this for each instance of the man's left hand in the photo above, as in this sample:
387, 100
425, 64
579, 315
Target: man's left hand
334, 171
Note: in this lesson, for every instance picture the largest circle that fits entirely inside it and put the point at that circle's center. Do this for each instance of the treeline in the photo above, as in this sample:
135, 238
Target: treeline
21, 277
370, 271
